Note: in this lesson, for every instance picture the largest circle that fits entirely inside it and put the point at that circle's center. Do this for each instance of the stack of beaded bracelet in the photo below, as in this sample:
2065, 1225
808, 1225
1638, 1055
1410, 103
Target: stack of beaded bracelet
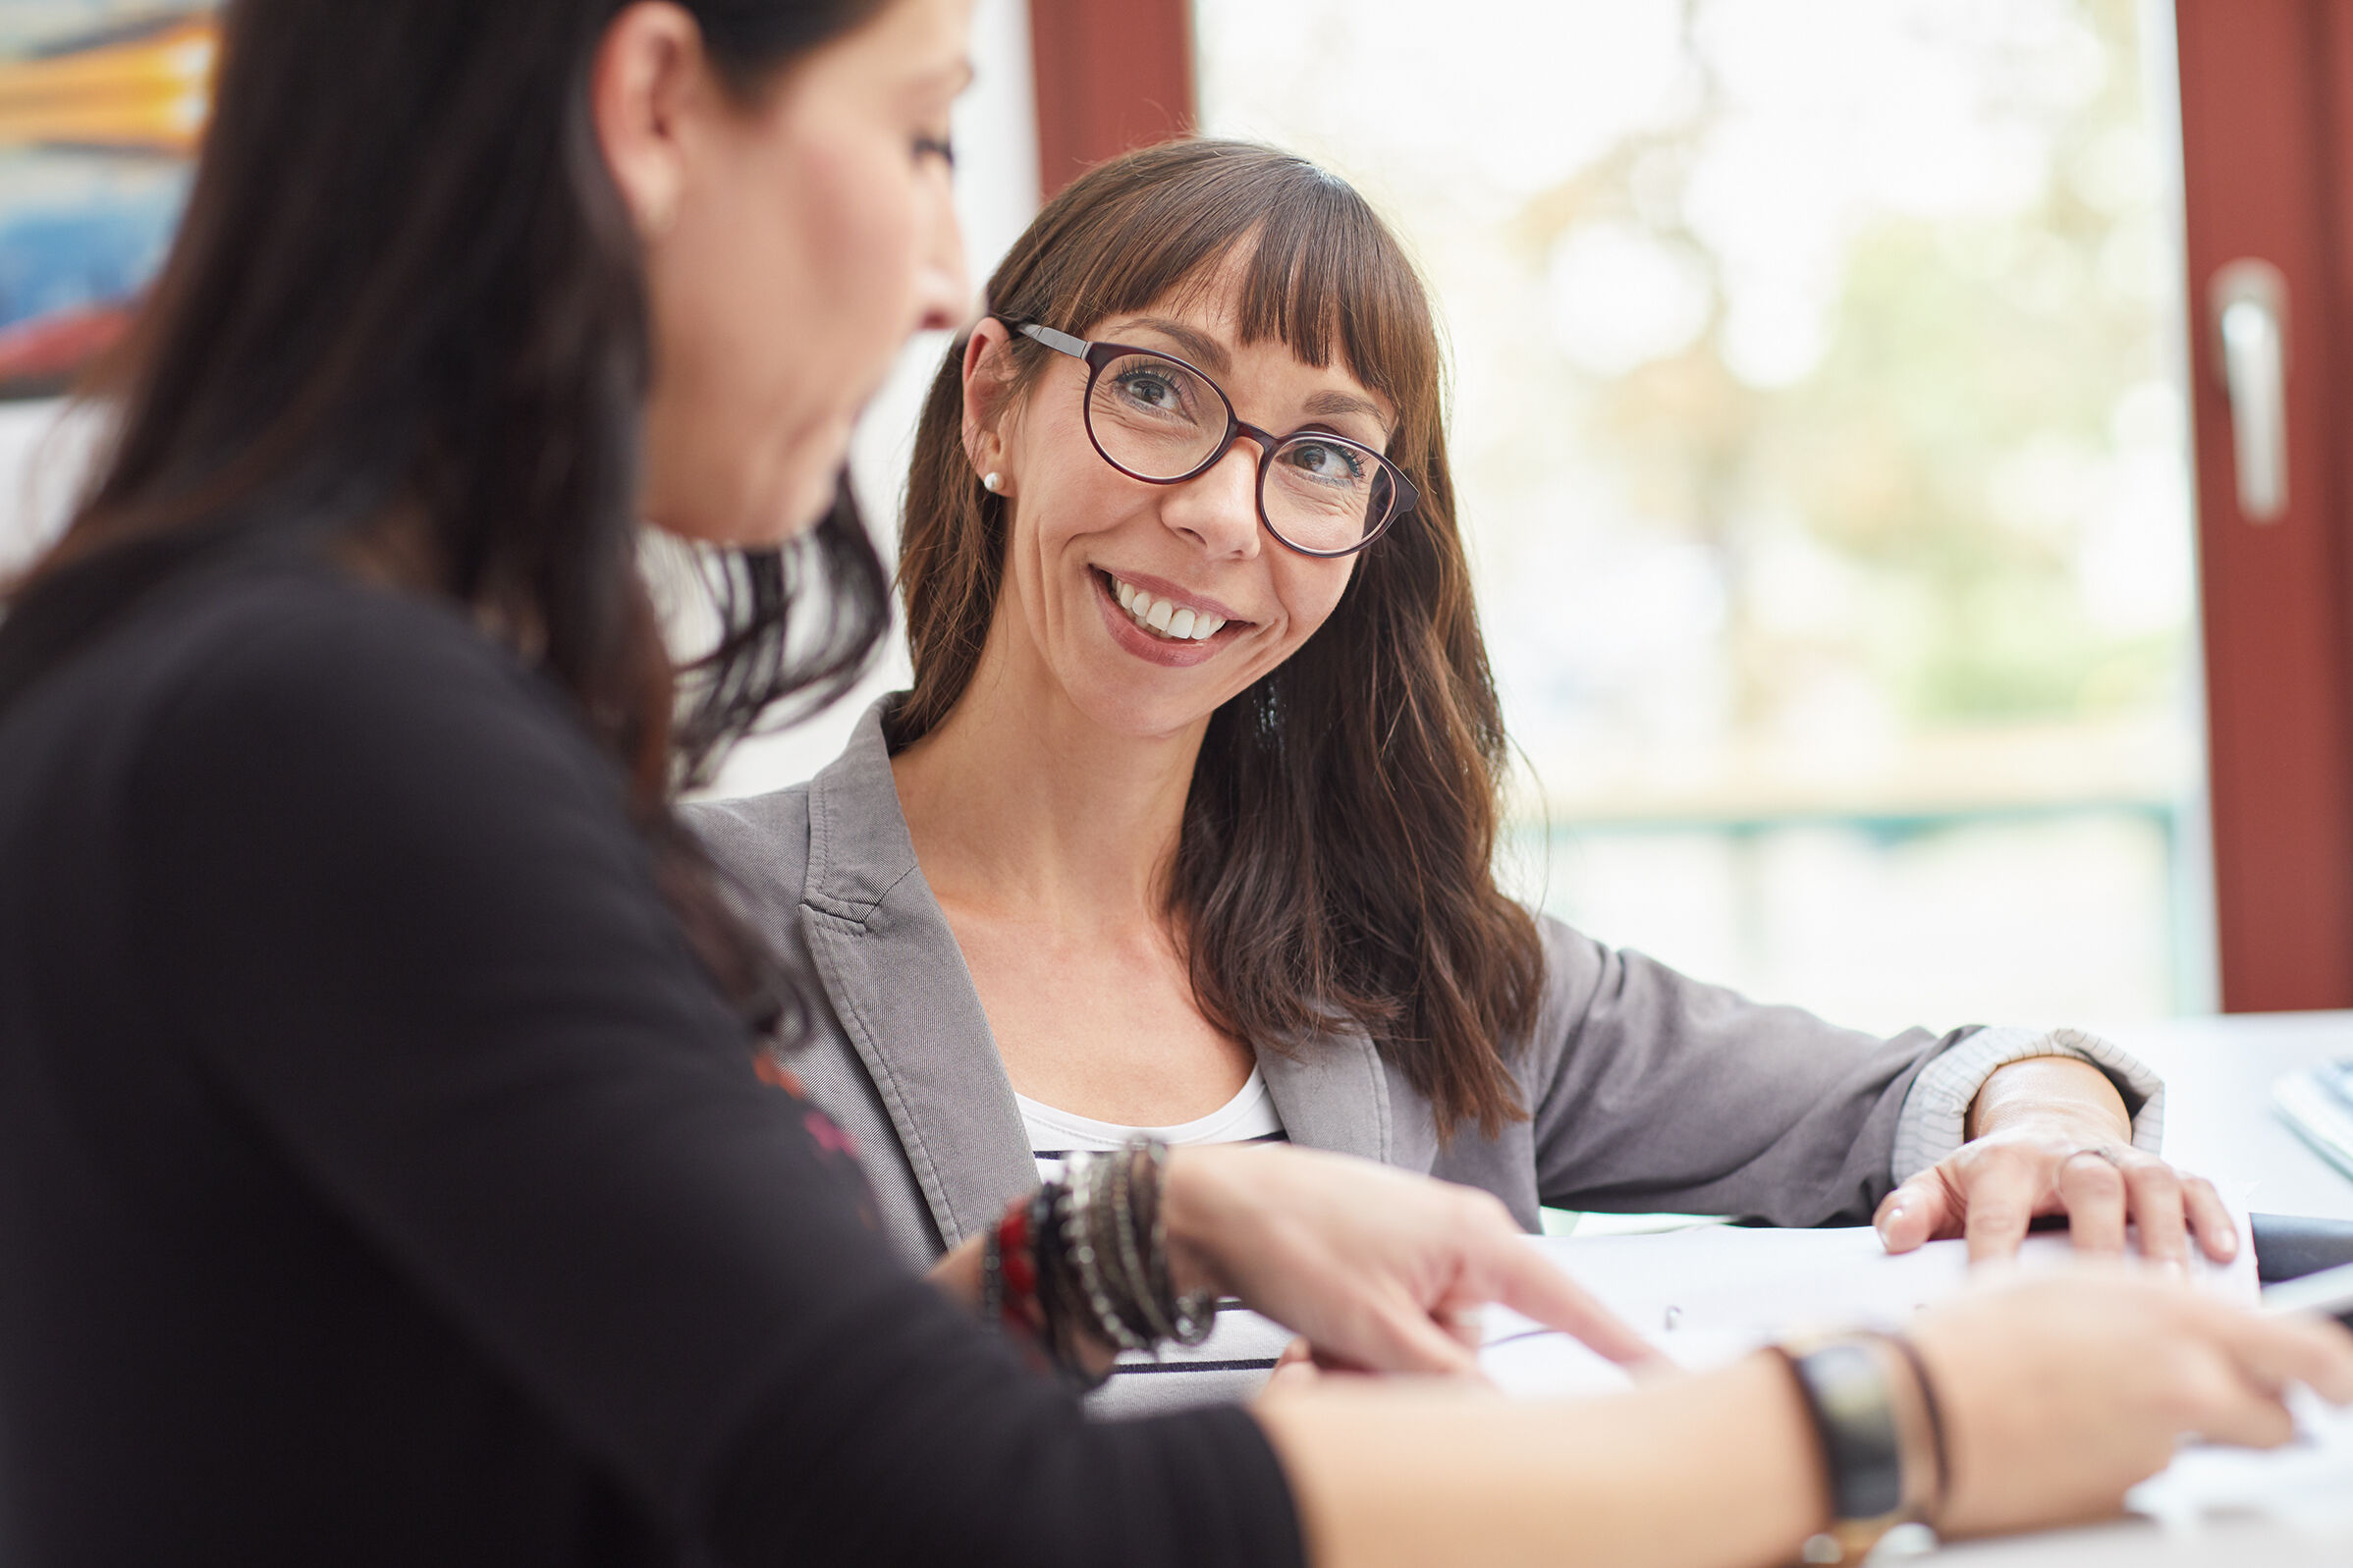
1087, 1258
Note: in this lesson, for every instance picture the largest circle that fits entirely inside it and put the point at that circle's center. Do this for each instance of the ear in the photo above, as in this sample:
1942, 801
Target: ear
649, 72
988, 392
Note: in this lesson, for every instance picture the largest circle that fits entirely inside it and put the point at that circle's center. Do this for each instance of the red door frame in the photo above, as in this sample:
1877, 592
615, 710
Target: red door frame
2266, 130
1111, 75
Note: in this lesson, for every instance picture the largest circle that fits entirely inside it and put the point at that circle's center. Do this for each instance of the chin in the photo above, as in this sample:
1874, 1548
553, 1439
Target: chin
1142, 714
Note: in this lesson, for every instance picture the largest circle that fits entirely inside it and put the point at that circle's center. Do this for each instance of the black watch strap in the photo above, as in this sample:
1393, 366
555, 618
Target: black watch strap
1846, 1388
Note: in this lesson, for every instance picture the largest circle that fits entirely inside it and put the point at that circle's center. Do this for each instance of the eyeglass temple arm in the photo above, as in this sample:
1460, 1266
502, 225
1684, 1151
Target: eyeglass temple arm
1059, 342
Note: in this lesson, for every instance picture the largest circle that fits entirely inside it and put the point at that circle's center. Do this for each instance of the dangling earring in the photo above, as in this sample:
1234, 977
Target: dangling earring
993, 483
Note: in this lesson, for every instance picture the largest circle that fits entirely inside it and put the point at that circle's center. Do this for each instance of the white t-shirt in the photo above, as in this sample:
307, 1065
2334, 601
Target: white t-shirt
1055, 1135
1237, 1355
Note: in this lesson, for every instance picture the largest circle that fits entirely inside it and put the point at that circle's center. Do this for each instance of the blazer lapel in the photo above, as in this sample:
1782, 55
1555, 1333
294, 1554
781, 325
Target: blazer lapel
891, 965
1333, 1093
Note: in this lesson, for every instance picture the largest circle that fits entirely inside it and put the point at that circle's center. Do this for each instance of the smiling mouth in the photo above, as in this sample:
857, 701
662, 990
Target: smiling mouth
1164, 618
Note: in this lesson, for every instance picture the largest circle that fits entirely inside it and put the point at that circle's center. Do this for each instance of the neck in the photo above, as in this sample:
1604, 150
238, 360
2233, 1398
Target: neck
1018, 803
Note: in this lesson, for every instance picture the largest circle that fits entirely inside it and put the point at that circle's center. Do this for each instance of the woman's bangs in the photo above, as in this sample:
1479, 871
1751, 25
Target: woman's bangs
1315, 269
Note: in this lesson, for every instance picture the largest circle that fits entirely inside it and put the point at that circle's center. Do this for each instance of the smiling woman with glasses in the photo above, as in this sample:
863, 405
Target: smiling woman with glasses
1188, 821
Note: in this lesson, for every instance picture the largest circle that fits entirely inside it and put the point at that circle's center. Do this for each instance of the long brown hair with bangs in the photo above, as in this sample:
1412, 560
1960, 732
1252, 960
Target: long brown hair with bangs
1333, 865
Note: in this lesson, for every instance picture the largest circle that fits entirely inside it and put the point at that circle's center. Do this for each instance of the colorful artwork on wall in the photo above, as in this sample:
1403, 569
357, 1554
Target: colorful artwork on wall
102, 103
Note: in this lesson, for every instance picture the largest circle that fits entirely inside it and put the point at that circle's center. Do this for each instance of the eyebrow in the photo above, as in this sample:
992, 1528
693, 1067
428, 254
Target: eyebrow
1196, 344
1334, 404
1211, 356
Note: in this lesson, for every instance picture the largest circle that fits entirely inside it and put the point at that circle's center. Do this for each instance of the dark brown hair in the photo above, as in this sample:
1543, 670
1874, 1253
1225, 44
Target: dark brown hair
1335, 860
405, 286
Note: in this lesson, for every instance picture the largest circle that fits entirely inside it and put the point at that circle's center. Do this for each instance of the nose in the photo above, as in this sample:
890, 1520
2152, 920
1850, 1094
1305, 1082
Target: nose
1218, 508
943, 286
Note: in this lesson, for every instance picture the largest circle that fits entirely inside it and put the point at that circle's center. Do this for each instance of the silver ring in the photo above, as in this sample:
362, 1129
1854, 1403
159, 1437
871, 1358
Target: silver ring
2107, 1152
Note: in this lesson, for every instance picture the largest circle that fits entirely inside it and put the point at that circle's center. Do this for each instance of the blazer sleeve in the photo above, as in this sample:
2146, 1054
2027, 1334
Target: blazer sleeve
1651, 1091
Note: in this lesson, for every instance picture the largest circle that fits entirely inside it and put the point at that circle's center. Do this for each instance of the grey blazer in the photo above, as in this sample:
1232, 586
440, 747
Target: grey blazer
1646, 1090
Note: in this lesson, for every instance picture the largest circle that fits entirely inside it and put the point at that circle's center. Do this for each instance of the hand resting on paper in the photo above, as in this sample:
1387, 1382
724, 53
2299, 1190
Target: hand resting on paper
2050, 1136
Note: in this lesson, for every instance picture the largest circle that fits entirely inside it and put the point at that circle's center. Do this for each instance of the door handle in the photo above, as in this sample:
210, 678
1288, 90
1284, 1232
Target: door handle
2249, 299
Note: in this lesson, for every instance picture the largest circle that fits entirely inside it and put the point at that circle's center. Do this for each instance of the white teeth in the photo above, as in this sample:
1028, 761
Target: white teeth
1177, 622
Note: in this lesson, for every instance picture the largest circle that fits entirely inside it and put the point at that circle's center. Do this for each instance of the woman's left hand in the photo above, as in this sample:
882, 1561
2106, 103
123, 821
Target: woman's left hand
2051, 1136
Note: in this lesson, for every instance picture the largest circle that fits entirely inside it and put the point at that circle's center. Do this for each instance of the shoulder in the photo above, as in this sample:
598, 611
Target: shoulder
313, 646
839, 842
760, 845
308, 678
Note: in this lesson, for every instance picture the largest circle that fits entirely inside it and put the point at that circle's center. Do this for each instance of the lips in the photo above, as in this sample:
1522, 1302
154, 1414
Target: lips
1165, 617
1130, 607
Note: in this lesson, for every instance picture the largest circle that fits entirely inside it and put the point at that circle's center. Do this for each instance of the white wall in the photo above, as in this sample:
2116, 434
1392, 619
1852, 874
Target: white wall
41, 459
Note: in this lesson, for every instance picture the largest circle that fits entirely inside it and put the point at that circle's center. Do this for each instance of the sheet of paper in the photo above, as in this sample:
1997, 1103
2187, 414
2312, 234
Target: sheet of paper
1710, 1295
1707, 1295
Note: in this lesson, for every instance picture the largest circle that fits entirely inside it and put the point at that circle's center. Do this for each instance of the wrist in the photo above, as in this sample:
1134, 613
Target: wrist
1200, 1202
1879, 1432
2063, 1096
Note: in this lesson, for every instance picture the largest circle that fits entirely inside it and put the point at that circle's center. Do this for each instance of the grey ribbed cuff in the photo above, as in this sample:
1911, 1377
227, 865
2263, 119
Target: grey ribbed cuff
1936, 1111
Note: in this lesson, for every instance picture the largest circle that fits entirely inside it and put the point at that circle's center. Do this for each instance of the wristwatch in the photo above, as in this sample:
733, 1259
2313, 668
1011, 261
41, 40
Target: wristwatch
1886, 1465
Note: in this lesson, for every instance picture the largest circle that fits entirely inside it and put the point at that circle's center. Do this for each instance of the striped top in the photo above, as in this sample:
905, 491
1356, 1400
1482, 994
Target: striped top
1239, 1354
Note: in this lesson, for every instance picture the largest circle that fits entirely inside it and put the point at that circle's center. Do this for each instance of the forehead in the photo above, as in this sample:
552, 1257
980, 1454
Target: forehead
1202, 320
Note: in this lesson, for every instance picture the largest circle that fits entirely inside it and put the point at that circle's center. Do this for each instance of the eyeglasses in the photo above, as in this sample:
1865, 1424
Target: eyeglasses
1156, 418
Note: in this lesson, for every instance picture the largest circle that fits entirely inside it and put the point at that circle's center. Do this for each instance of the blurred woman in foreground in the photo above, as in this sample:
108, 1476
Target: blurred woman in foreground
384, 1171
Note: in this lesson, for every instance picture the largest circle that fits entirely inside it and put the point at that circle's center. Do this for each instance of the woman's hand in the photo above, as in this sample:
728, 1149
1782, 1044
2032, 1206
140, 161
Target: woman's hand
2050, 1136
2060, 1394
1376, 1267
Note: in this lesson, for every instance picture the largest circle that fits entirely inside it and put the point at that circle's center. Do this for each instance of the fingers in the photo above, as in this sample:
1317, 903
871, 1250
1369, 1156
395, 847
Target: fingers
2000, 1198
1919, 1211
1529, 1285
2155, 1193
2209, 1219
2093, 1193
1294, 1369
2275, 1351
1402, 1336
2228, 1408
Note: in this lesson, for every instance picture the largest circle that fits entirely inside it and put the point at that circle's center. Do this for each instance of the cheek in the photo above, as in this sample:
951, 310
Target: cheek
858, 220
1309, 591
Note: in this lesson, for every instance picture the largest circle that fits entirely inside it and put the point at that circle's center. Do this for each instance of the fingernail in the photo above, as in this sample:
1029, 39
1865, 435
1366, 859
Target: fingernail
1888, 1218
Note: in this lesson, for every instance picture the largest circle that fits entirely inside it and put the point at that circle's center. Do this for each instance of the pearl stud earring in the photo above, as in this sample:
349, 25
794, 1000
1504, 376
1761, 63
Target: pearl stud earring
993, 483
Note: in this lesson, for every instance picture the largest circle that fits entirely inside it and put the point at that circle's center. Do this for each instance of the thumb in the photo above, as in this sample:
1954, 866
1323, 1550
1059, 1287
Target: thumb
1919, 1211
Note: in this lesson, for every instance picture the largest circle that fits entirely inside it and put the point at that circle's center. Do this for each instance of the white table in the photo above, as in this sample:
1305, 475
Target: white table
2219, 1122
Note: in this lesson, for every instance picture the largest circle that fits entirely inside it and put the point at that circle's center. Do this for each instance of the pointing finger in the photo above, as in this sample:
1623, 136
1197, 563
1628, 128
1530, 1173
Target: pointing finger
1530, 1284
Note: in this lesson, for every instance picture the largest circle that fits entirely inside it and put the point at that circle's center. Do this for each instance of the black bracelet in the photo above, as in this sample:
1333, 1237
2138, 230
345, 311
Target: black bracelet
1935, 1416
991, 1279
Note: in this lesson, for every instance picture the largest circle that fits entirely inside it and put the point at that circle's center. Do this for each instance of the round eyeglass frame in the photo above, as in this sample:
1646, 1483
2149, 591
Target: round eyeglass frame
1097, 355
